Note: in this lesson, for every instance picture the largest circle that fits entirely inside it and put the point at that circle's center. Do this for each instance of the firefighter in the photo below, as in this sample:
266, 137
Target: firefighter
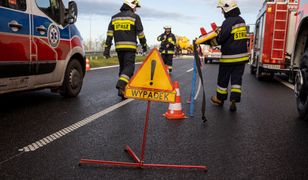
125, 26
167, 47
232, 37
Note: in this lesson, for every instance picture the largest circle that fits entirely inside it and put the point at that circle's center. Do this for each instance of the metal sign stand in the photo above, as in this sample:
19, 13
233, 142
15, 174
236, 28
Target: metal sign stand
139, 163
152, 64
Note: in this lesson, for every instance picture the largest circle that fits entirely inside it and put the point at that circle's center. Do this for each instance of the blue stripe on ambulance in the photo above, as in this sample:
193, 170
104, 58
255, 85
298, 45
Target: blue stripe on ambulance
74, 31
7, 15
39, 20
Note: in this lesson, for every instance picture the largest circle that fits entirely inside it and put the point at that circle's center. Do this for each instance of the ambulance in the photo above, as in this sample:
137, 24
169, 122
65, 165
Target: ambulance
40, 47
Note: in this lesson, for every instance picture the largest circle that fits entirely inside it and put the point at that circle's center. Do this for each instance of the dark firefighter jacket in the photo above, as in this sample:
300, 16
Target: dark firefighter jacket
125, 27
167, 39
233, 38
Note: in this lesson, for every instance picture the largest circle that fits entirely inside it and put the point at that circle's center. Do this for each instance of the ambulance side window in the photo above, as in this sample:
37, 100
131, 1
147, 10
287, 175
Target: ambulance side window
14, 4
51, 8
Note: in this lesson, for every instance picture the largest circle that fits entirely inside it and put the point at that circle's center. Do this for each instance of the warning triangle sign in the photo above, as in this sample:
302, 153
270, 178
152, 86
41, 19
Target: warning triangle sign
152, 74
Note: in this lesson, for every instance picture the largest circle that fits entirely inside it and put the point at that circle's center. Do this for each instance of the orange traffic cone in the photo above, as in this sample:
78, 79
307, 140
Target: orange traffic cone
175, 109
88, 67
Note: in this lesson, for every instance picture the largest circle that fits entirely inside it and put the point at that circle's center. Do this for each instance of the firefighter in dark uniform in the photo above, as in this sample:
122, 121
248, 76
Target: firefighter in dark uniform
167, 47
125, 27
233, 40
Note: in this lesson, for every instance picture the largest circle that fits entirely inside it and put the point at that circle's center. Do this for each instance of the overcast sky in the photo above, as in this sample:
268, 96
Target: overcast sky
185, 16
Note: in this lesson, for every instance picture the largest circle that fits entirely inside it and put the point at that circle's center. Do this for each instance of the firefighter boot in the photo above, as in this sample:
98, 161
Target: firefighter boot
121, 88
233, 106
215, 101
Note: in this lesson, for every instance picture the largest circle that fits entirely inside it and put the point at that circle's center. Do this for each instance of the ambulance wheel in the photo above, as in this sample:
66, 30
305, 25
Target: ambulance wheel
301, 89
73, 79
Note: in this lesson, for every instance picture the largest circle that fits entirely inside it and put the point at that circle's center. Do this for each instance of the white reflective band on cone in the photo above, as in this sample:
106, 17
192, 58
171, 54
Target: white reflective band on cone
176, 107
178, 92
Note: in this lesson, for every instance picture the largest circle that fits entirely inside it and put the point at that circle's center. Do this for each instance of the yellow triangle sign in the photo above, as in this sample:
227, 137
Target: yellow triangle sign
152, 74
151, 82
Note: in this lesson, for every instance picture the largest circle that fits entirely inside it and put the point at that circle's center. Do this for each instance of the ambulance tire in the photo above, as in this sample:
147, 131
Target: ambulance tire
73, 79
302, 95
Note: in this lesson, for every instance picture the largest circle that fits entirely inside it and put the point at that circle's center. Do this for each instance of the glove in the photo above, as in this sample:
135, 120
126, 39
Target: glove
107, 52
144, 48
165, 38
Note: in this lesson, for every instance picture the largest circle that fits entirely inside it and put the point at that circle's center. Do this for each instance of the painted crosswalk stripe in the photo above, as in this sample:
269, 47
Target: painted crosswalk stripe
65, 131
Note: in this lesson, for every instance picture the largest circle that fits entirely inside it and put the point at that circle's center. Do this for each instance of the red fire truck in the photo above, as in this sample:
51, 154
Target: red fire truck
274, 38
281, 45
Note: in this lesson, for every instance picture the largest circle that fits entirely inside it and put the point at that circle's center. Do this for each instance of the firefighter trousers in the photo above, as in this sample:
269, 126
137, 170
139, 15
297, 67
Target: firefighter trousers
127, 67
227, 72
168, 58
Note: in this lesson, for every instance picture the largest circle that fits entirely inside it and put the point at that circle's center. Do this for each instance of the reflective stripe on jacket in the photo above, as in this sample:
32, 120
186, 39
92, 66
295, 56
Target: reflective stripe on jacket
167, 39
233, 40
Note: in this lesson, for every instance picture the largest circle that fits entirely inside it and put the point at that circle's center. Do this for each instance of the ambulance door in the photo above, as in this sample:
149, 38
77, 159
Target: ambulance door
46, 33
14, 38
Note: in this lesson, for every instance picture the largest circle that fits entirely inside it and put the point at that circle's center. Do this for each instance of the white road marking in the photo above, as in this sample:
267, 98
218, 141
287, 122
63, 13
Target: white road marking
38, 143
11, 158
31, 147
108, 67
190, 70
291, 86
46, 140
43, 142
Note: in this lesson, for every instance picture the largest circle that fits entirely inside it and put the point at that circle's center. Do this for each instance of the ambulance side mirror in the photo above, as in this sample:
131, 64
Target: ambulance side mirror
72, 12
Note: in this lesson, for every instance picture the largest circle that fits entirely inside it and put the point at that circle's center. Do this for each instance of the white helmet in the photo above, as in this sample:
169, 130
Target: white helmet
132, 3
167, 27
227, 5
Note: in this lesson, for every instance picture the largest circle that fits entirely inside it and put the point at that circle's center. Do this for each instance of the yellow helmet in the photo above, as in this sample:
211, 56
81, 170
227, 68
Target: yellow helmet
227, 5
132, 3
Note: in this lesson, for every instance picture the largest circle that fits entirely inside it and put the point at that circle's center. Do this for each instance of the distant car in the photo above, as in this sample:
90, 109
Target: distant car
40, 47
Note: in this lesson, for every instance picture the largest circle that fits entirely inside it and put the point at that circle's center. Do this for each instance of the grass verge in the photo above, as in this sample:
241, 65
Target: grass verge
100, 61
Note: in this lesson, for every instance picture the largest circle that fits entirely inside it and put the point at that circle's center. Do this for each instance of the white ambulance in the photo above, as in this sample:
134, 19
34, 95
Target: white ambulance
40, 47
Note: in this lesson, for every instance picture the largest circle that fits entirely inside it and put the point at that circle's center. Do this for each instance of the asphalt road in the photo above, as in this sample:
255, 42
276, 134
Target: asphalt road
264, 139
